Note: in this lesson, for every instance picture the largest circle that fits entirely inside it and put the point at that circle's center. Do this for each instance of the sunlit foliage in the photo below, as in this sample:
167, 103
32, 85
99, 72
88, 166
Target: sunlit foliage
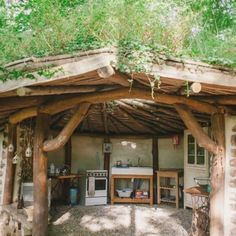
196, 29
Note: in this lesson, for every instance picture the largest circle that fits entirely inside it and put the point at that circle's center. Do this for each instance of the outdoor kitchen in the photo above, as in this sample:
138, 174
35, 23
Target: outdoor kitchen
128, 157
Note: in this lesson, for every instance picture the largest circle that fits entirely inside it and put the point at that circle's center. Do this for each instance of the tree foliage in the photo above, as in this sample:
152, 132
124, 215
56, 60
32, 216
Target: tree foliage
198, 29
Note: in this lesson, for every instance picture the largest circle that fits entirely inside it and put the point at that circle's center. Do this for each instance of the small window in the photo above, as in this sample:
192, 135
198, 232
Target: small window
195, 153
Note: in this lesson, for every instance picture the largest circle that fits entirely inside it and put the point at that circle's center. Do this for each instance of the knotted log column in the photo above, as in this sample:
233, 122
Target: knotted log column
218, 177
217, 147
40, 166
10, 168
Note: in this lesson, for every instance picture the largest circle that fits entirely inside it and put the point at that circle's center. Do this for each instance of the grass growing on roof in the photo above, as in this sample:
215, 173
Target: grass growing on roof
197, 29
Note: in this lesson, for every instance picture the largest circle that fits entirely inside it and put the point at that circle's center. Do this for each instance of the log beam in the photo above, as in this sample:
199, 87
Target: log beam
192, 124
53, 90
22, 115
105, 72
57, 106
67, 103
217, 177
120, 79
40, 166
10, 169
62, 138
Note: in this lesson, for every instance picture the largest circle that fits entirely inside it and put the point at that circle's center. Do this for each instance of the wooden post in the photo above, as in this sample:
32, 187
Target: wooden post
66, 182
68, 148
155, 163
10, 168
107, 165
40, 164
217, 177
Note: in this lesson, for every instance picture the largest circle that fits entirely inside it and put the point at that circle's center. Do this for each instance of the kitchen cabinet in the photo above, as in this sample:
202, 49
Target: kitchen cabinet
133, 199
196, 164
168, 190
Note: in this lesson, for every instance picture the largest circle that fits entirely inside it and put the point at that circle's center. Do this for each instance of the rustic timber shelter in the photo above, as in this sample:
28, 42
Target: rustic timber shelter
87, 94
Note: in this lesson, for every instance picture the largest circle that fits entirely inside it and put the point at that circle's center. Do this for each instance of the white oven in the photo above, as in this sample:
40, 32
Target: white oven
94, 188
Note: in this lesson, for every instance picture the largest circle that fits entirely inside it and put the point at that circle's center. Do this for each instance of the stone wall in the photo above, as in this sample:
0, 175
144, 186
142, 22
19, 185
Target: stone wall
230, 177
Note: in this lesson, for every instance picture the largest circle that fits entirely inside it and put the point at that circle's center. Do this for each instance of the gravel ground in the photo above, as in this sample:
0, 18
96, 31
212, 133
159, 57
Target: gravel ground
120, 220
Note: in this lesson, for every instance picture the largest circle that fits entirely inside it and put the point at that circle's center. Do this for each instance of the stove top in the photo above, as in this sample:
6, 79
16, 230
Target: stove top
96, 173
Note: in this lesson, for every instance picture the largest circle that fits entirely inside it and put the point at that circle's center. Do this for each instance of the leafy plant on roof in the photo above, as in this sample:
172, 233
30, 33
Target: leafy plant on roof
141, 29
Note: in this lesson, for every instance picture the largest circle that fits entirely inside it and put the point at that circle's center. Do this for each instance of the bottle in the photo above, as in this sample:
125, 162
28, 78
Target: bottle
52, 169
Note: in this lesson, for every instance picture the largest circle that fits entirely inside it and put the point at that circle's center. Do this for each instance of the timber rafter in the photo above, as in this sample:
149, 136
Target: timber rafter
65, 134
67, 103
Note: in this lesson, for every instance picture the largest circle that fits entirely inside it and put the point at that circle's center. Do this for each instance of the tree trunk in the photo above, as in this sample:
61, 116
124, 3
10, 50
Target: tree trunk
10, 168
40, 166
217, 177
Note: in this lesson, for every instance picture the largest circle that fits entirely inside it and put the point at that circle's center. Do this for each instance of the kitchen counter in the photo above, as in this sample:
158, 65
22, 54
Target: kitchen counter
132, 171
130, 174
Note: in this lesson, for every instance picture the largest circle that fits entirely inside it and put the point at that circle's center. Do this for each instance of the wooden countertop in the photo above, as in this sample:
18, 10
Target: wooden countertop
70, 176
170, 170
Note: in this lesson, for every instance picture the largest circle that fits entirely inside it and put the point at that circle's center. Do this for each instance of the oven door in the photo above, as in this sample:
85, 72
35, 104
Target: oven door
100, 186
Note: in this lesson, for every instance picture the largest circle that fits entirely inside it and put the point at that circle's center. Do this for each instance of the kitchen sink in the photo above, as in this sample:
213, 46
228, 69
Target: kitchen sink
132, 171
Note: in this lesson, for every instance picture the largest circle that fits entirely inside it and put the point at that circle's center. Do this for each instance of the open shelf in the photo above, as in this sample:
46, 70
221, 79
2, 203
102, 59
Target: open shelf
131, 200
170, 201
168, 177
116, 199
168, 187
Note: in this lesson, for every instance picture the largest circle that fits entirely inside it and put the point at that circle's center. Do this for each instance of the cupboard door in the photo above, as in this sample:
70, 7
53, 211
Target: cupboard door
195, 164
200, 155
191, 149
195, 153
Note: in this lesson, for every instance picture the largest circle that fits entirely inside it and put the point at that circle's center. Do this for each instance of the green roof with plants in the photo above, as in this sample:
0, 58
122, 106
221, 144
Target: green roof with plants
203, 30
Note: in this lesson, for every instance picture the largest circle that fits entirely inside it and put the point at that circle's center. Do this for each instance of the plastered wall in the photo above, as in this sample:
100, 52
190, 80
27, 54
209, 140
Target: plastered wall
57, 157
171, 156
87, 153
130, 150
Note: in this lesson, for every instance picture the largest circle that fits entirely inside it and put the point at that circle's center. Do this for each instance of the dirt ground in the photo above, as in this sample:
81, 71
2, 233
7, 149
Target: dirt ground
120, 220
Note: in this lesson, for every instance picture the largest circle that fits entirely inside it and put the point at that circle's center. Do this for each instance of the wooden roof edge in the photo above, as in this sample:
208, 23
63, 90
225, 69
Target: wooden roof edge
64, 70
22, 63
196, 63
70, 65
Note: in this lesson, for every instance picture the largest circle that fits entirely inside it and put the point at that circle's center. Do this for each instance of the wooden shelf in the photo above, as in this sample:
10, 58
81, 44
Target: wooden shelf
115, 199
171, 201
167, 175
170, 188
131, 200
